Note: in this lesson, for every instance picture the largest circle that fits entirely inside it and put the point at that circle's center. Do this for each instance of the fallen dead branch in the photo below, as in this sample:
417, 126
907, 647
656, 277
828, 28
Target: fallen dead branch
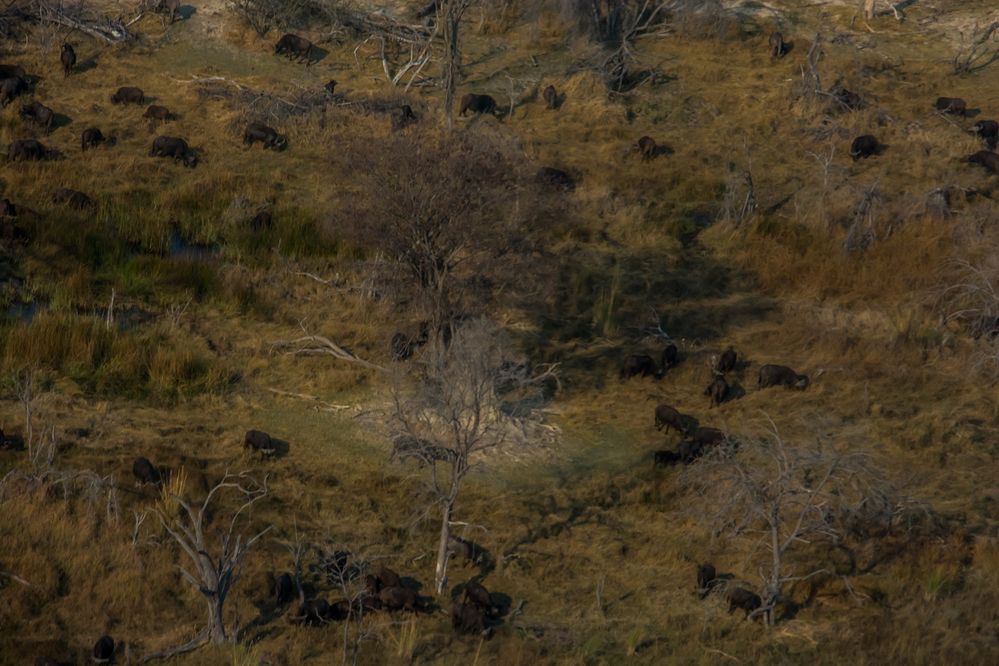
312, 345
80, 16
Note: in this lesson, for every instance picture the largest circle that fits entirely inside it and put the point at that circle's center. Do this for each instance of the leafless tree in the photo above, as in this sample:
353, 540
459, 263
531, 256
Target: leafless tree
978, 50
449, 15
215, 570
786, 500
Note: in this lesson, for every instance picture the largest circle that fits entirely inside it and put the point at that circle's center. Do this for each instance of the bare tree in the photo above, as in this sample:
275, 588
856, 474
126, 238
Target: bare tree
449, 15
978, 50
214, 574
785, 499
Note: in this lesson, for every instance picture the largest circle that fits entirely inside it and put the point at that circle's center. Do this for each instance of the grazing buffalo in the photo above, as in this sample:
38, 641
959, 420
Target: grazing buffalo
671, 356
314, 612
295, 48
777, 45
953, 105
103, 650
689, 451
705, 577
478, 595
556, 178
638, 364
863, 147
780, 375
708, 436
477, 104
266, 135
170, 146
986, 158
28, 149
727, 361
259, 441
403, 117
128, 95
467, 618
666, 458
39, 114
988, 130
550, 96
399, 598
669, 417
161, 113
68, 59
73, 199
283, 589
717, 391
742, 598
646, 147
464, 550
90, 138
11, 88
145, 472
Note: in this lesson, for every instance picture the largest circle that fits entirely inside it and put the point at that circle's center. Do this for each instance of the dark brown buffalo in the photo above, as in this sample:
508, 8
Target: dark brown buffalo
777, 45
464, 550
403, 117
10, 88
988, 130
90, 138
638, 364
73, 199
7, 209
467, 618
294, 47
170, 146
28, 149
670, 357
781, 375
477, 104
68, 59
283, 589
399, 598
387, 578
145, 472
478, 595
128, 95
550, 96
985, 158
727, 361
156, 112
262, 220
669, 417
708, 436
863, 147
666, 458
169, 8
314, 612
705, 577
717, 391
103, 651
12, 71
742, 598
850, 100
266, 135
39, 114
646, 147
259, 441
330, 86
556, 178
954, 105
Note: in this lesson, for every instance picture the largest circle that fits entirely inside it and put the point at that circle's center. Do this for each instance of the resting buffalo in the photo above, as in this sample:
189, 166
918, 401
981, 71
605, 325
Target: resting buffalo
259, 441
103, 650
777, 46
780, 375
399, 598
28, 149
717, 391
666, 458
954, 105
646, 147
670, 358
68, 59
477, 104
39, 114
727, 361
863, 147
294, 47
128, 95
467, 618
556, 178
156, 112
551, 97
669, 417
986, 158
283, 589
11, 88
169, 146
741, 598
73, 199
987, 130
705, 576
266, 135
145, 472
638, 364
90, 138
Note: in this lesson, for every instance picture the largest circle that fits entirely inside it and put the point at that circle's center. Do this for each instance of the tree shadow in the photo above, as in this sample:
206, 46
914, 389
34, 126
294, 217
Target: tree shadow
185, 12
86, 65
60, 120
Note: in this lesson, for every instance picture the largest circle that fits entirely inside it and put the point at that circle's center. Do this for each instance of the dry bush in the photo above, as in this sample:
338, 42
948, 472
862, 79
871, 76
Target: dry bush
263, 15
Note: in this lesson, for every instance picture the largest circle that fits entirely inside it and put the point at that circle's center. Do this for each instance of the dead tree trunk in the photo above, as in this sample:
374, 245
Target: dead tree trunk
440, 577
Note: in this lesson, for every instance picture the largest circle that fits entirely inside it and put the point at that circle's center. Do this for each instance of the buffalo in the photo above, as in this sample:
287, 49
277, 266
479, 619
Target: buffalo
73, 199
266, 135
314, 612
161, 113
128, 95
403, 117
666, 458
550, 96
705, 577
282, 590
330, 86
295, 48
464, 549
145, 472
170, 8
103, 650
863, 147
638, 364
708, 436
262, 220
556, 179
727, 361
717, 391
468, 618
478, 595
670, 357
780, 375
985, 158
39, 114
777, 45
850, 100
988, 130
407, 446
952, 105
68, 59
646, 147
477, 104
10, 88
259, 441
91, 138
387, 578
669, 417
169, 146
28, 149
742, 598
399, 598
7, 209
9, 71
